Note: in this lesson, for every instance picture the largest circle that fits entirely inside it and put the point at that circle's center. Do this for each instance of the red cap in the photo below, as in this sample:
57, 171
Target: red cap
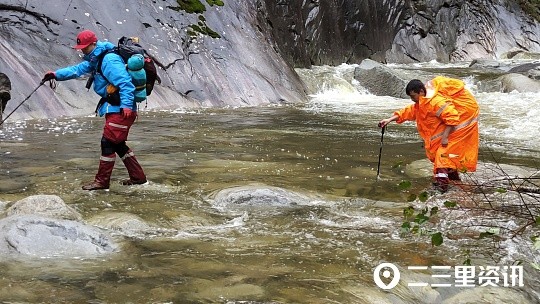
84, 39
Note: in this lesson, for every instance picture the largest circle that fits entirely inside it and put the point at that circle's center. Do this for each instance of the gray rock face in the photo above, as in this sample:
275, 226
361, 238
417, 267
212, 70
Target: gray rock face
332, 32
238, 68
405, 31
35, 236
463, 30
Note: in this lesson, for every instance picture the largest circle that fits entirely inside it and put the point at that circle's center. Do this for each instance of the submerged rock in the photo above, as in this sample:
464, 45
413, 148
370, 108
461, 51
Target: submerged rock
257, 196
125, 224
44, 237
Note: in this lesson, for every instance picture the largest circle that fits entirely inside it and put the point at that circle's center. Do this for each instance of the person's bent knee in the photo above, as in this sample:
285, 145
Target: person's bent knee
107, 147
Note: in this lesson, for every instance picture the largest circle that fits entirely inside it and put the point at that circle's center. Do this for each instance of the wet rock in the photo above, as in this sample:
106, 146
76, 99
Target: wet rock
511, 53
125, 224
520, 83
257, 196
30, 235
494, 175
534, 73
527, 56
523, 68
44, 205
380, 80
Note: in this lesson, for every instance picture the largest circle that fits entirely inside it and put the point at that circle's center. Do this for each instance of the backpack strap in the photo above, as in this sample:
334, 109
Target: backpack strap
100, 62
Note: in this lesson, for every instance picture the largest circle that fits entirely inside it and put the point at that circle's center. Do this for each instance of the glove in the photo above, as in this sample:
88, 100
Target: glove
48, 76
383, 123
128, 113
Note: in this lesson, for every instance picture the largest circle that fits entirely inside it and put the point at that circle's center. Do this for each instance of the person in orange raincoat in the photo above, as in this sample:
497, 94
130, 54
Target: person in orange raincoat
446, 116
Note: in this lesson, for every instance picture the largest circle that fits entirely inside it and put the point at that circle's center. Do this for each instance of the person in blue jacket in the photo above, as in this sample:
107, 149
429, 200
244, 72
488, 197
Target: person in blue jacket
117, 104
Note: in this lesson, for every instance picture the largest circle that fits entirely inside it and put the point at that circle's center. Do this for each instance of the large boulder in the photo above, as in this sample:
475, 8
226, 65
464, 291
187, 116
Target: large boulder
381, 80
31, 235
44, 205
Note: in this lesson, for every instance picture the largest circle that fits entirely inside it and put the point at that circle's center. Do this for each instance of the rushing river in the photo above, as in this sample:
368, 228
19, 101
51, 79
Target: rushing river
319, 250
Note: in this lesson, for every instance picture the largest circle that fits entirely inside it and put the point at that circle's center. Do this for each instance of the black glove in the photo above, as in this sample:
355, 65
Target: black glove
48, 76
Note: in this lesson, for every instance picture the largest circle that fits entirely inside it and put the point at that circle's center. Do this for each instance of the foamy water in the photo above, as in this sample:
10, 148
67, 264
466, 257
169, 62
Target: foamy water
508, 121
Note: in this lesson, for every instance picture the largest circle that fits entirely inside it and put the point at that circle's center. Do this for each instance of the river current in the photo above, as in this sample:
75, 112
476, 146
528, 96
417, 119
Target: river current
319, 250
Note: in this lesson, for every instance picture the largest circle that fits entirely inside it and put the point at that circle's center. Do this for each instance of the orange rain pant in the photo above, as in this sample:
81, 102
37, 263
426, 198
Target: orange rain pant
447, 103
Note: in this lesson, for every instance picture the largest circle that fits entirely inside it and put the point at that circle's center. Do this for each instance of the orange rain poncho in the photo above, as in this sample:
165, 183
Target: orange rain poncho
447, 102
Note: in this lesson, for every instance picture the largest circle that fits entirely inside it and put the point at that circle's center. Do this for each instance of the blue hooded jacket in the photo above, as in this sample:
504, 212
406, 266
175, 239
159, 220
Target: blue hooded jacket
113, 68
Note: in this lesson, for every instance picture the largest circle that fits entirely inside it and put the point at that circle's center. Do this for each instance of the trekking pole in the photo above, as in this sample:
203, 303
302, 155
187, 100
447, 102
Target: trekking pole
380, 152
20, 104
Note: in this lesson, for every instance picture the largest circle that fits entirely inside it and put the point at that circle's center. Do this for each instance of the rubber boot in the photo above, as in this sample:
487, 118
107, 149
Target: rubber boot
453, 175
103, 176
441, 179
135, 171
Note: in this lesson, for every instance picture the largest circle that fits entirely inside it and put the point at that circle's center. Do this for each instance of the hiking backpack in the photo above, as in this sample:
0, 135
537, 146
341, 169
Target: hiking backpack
126, 48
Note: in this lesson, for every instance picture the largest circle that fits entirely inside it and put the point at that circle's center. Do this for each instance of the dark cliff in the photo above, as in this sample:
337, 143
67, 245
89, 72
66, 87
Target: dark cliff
333, 32
403, 31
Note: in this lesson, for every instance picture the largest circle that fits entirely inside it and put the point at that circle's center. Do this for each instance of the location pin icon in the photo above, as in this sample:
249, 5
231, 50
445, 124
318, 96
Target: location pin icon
386, 274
